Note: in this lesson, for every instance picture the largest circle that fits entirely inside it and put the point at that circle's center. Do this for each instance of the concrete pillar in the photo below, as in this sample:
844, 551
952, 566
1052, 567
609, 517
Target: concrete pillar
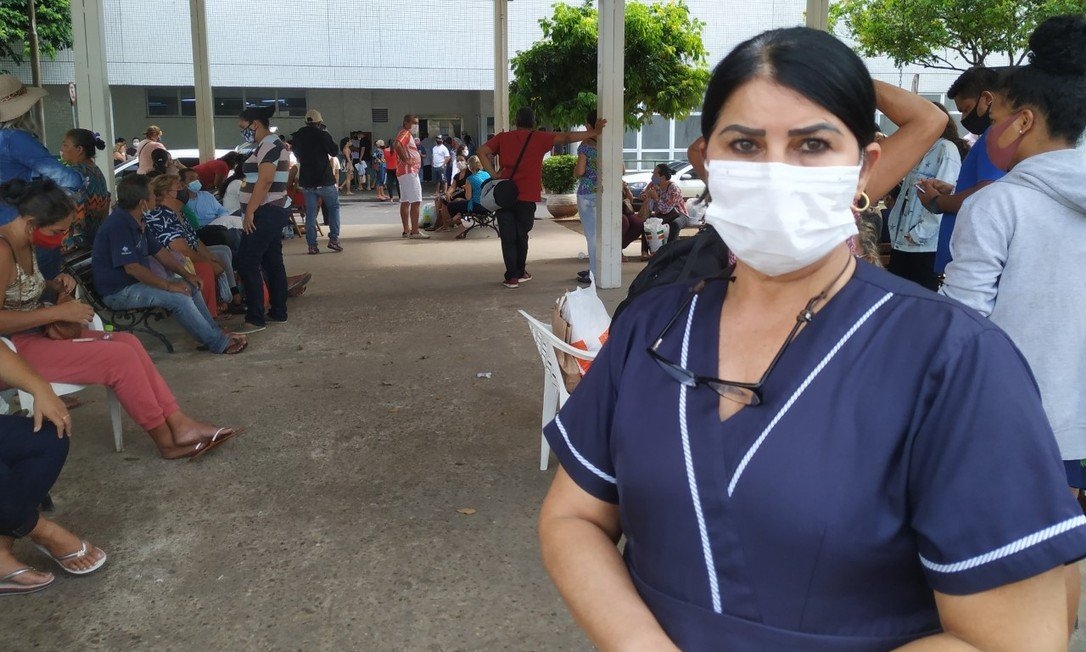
94, 105
610, 66
818, 14
501, 68
201, 67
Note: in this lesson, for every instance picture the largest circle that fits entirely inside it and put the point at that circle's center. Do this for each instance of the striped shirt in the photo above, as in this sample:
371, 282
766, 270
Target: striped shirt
269, 150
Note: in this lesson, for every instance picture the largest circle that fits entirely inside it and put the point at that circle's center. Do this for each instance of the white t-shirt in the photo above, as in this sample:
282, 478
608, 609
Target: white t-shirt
231, 198
441, 156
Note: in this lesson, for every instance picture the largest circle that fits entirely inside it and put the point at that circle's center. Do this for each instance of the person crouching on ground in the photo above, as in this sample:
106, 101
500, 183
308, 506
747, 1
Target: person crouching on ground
120, 362
123, 276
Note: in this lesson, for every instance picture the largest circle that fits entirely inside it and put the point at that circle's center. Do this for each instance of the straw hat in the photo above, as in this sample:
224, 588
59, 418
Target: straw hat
15, 98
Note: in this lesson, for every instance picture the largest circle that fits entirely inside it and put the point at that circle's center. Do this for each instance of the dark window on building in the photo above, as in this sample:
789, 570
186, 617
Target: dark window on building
162, 102
188, 101
228, 102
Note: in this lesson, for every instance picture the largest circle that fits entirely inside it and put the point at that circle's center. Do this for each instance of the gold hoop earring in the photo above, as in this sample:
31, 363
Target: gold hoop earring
866, 204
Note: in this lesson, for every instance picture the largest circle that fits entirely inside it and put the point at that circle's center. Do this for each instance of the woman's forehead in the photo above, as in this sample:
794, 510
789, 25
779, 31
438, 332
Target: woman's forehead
766, 105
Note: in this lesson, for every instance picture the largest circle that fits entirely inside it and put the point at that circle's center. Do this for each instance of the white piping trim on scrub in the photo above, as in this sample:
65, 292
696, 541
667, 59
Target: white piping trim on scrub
802, 388
577, 454
1010, 549
706, 547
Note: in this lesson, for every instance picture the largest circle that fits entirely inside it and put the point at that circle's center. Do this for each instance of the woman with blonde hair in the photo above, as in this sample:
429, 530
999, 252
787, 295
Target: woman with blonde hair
147, 146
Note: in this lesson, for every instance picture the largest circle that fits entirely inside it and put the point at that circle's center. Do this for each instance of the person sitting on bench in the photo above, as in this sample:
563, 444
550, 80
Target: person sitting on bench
125, 279
118, 361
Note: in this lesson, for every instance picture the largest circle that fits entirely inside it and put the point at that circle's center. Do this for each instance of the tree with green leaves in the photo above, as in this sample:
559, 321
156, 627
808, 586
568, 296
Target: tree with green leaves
666, 71
946, 34
54, 19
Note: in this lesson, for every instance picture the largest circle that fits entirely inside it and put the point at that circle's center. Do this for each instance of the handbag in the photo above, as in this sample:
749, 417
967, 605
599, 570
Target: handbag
502, 192
63, 330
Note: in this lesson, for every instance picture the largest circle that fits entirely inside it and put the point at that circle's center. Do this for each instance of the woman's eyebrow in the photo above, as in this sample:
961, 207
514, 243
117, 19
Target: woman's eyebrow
807, 131
746, 131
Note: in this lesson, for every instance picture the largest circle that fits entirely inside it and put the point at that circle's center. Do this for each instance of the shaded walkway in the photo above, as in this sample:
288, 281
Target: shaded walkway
332, 523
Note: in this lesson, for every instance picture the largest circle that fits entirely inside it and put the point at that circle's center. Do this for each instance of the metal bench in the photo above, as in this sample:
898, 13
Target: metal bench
479, 218
133, 320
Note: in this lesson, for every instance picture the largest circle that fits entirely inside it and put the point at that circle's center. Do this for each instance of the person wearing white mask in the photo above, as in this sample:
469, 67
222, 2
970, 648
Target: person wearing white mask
800, 452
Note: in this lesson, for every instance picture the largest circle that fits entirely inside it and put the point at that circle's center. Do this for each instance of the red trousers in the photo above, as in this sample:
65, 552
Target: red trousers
120, 363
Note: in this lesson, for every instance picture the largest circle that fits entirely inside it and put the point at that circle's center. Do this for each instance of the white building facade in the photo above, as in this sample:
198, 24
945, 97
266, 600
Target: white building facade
363, 65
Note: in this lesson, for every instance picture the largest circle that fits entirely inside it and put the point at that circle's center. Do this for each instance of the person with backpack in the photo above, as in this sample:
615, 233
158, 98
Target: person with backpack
522, 151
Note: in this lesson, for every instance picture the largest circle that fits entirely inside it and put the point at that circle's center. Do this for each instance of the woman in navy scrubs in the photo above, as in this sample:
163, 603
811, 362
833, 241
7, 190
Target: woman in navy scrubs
806, 453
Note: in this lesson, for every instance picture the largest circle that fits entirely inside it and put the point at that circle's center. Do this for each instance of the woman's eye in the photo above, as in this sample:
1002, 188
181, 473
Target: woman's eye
744, 146
812, 145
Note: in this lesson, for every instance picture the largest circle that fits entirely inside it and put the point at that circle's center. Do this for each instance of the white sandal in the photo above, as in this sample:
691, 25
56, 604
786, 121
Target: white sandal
83, 551
7, 587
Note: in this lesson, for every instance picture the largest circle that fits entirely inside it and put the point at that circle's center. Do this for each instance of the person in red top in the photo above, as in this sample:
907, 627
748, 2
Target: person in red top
409, 162
391, 163
515, 223
214, 172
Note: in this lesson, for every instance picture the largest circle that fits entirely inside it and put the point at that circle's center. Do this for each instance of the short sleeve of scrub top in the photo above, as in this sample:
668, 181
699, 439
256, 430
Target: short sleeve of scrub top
901, 448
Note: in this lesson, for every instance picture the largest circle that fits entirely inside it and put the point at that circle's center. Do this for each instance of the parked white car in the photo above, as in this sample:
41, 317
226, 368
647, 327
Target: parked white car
683, 174
186, 157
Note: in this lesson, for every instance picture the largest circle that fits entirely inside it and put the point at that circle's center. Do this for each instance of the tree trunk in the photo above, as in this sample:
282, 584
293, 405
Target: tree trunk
35, 68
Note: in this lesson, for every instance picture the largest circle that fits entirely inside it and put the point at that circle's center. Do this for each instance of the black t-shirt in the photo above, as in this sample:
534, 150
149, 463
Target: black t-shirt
313, 146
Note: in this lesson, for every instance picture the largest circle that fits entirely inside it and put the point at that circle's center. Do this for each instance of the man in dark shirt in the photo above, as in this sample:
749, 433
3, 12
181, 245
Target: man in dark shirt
314, 148
121, 263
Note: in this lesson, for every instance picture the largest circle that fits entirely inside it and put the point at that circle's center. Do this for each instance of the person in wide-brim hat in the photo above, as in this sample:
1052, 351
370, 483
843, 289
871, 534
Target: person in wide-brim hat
22, 154
16, 98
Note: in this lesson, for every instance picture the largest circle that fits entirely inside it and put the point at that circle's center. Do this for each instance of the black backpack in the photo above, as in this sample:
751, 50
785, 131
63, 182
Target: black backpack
701, 256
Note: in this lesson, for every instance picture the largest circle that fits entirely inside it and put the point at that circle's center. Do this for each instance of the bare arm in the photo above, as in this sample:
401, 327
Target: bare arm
14, 321
15, 372
919, 123
1026, 615
582, 165
577, 136
947, 203
578, 533
170, 263
486, 157
401, 151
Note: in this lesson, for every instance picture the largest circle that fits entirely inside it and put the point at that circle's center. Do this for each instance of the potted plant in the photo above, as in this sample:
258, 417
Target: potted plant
559, 183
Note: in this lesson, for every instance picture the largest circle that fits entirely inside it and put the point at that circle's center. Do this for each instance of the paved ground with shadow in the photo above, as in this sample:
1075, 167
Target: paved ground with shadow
333, 523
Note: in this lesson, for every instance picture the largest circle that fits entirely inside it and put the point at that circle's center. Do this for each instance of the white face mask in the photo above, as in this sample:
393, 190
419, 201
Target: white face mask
779, 218
414, 130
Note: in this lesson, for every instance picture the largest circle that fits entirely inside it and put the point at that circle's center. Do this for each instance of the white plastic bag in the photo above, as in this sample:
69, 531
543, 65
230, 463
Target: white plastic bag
427, 219
588, 321
656, 233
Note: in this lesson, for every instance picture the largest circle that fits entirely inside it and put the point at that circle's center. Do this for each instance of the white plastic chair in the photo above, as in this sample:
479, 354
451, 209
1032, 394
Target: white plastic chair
554, 388
26, 401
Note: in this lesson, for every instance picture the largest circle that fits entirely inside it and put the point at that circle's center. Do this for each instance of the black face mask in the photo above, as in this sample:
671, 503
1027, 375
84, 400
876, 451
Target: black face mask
183, 195
975, 123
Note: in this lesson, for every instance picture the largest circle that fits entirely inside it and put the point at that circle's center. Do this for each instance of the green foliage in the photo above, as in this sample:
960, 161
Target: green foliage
666, 70
928, 32
558, 176
54, 28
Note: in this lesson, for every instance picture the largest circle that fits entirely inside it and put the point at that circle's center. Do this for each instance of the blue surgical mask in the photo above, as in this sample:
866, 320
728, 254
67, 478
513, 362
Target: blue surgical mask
195, 185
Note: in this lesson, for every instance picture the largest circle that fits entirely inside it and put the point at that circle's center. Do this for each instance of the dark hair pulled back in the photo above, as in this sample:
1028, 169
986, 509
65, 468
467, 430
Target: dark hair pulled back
811, 62
261, 114
1054, 81
41, 200
86, 140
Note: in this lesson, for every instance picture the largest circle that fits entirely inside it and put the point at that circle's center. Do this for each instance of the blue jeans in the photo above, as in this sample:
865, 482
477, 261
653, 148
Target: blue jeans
29, 465
260, 258
330, 195
586, 208
188, 309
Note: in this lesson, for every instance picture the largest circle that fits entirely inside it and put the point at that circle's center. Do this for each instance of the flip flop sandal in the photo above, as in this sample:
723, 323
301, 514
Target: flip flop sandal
218, 439
236, 346
83, 551
7, 587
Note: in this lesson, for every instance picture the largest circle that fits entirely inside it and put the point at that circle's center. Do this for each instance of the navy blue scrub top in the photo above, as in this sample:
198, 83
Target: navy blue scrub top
901, 447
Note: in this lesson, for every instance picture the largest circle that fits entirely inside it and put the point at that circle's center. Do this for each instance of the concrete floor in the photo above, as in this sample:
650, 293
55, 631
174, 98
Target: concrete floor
333, 523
